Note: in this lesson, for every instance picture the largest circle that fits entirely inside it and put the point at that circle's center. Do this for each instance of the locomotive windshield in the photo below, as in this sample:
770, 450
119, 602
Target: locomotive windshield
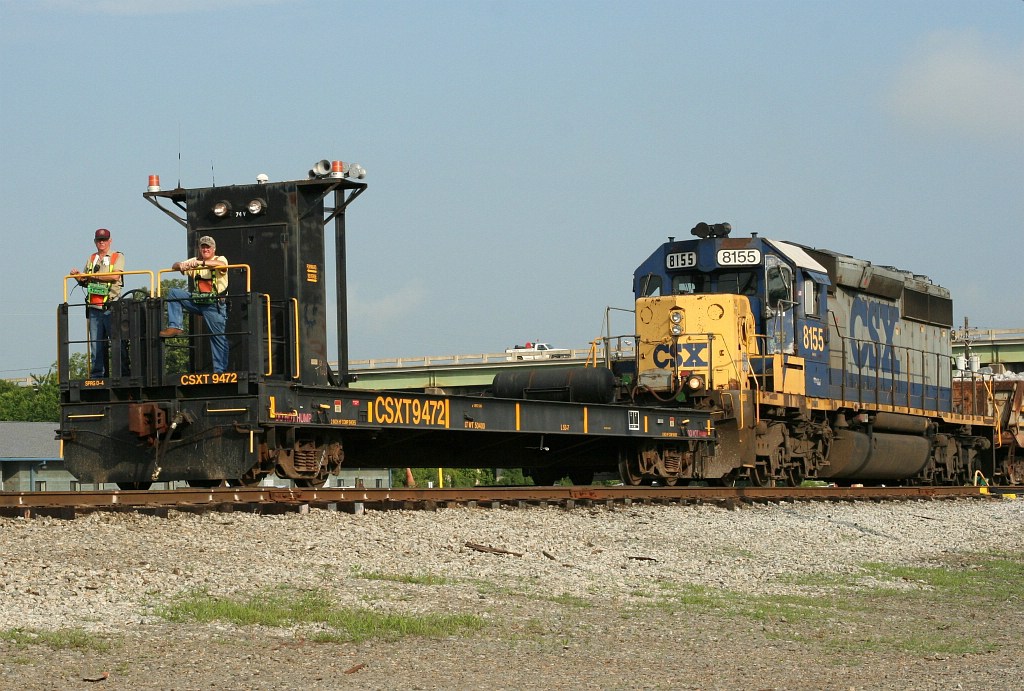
732, 282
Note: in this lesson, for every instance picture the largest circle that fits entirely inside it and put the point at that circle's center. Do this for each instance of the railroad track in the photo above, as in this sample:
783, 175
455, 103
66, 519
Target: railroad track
283, 499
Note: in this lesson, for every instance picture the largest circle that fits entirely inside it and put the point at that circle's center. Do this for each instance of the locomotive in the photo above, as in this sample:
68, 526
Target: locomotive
814, 364
755, 361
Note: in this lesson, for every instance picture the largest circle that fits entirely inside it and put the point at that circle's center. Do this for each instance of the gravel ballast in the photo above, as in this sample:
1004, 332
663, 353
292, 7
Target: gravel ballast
629, 597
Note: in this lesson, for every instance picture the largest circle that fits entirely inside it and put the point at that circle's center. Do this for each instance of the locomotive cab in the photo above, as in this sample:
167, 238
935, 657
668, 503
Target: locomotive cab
763, 301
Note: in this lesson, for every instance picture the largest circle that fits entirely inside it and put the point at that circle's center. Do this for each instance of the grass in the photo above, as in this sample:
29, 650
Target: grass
61, 639
288, 608
941, 614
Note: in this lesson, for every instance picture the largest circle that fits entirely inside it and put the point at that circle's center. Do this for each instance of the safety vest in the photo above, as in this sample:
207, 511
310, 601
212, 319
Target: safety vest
209, 283
99, 292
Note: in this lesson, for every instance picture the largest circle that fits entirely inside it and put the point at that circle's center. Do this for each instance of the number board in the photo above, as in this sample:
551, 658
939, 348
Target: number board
681, 260
747, 257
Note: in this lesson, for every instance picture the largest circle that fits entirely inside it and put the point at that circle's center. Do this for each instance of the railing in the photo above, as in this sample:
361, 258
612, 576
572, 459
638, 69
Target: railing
476, 359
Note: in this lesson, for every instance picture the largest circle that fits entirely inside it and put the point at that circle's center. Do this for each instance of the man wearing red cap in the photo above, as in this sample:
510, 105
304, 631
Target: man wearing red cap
102, 284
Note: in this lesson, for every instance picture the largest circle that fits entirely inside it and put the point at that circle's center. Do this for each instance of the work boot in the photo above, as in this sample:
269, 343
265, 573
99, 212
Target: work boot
170, 332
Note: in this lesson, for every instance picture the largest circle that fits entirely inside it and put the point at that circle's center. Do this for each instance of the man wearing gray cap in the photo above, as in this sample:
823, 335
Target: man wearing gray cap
209, 286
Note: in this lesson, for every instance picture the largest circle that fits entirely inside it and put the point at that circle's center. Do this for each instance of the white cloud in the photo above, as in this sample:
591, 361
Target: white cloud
957, 83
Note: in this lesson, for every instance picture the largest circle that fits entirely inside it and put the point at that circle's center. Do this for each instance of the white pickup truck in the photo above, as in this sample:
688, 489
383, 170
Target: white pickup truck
535, 351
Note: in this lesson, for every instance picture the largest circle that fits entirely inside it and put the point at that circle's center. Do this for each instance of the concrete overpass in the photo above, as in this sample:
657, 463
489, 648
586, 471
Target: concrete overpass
1001, 347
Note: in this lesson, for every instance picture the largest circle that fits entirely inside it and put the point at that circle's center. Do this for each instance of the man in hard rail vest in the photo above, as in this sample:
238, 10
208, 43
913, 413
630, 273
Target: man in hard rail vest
209, 286
102, 281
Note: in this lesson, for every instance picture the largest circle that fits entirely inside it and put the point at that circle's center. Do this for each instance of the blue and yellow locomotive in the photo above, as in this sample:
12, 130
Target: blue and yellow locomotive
814, 364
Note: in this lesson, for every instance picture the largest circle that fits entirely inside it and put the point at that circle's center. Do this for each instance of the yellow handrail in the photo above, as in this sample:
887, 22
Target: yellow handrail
270, 344
248, 271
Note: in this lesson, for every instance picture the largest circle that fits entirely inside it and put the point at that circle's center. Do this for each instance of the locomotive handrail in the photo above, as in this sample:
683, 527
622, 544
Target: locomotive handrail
248, 271
901, 354
298, 349
78, 278
270, 342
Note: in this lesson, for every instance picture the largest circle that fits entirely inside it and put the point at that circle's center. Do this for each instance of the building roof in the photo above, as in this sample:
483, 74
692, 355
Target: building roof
23, 440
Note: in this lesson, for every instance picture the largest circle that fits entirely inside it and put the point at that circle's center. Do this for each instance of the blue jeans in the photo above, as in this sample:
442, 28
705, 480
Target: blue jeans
214, 314
99, 338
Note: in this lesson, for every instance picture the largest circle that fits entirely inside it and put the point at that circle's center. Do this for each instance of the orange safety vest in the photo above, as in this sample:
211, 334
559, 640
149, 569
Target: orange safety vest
98, 292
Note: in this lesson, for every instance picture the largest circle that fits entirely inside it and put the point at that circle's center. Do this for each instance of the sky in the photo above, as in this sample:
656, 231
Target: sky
522, 157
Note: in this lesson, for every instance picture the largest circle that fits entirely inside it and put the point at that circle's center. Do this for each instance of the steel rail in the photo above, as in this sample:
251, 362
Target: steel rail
271, 499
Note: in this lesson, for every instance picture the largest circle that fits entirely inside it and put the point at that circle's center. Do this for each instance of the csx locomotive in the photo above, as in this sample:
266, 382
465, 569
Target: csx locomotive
814, 364
756, 361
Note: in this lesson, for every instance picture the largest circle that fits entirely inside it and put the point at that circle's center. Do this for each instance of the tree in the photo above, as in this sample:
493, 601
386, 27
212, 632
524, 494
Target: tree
38, 402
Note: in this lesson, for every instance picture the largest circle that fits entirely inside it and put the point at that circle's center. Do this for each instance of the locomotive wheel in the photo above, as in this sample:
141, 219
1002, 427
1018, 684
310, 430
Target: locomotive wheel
794, 477
134, 485
760, 477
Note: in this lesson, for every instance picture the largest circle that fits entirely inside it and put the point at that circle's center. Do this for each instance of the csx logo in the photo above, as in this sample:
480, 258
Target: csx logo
680, 355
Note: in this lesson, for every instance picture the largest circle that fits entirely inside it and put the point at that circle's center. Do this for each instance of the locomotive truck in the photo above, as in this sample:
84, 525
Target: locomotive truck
755, 360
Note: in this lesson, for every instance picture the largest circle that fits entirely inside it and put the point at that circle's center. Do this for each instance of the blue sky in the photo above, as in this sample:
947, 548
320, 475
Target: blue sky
522, 157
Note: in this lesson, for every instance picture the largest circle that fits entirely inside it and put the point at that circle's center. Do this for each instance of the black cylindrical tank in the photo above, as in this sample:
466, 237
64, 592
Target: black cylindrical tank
576, 384
897, 422
858, 456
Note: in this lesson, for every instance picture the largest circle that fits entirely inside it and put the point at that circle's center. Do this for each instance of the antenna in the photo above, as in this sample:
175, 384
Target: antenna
179, 155
213, 176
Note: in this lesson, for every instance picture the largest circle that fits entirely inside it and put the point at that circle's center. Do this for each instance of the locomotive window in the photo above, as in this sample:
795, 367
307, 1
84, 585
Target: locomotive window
690, 283
779, 288
811, 301
649, 285
738, 282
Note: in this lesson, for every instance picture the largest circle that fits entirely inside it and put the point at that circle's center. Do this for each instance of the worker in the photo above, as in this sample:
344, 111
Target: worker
103, 281
208, 298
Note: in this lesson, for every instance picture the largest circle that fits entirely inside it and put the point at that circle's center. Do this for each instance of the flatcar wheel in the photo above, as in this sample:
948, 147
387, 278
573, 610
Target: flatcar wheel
581, 477
250, 479
543, 477
134, 485
629, 471
670, 481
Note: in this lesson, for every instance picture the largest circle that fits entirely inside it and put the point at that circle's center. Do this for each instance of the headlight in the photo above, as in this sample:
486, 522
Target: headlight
676, 317
256, 207
676, 330
221, 209
695, 383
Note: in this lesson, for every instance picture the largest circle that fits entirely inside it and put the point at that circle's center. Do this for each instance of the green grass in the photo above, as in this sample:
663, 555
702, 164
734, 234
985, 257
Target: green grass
287, 608
61, 639
844, 615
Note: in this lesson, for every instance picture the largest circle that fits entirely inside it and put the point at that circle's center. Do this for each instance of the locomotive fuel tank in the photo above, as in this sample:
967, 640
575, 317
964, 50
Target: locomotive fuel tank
879, 456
